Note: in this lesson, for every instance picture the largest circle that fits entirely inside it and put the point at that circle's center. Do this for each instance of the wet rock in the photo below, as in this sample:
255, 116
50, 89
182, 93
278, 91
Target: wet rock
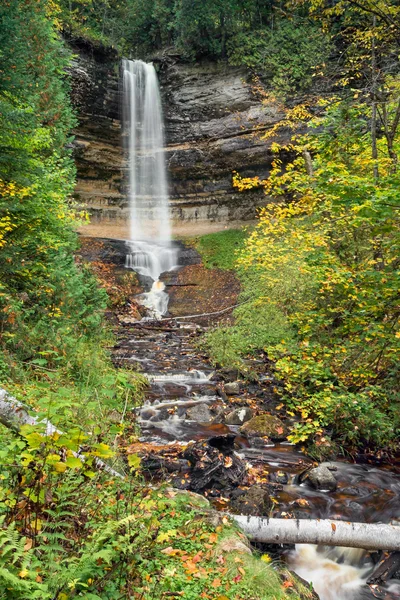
265, 425
153, 463
224, 443
321, 478
355, 506
200, 413
259, 442
239, 416
229, 374
215, 467
281, 477
352, 491
162, 414
232, 388
254, 501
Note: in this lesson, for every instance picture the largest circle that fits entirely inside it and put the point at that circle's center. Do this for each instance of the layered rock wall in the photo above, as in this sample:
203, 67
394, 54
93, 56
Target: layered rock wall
213, 123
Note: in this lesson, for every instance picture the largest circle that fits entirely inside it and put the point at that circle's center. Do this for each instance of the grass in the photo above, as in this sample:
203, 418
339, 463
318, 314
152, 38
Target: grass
258, 323
219, 250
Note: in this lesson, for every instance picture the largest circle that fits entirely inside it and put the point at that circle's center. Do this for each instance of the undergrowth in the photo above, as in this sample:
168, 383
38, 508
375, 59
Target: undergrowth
220, 250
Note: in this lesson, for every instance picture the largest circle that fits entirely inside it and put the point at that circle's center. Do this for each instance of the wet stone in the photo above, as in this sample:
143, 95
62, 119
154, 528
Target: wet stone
200, 413
265, 425
254, 501
162, 415
281, 477
214, 466
239, 416
321, 478
232, 388
229, 374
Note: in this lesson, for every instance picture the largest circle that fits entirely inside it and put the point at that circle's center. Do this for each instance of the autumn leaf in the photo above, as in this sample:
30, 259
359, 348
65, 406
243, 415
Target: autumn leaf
28, 544
170, 551
24, 573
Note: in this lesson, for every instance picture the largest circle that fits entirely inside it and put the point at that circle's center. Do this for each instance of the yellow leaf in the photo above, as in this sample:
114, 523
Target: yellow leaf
60, 467
73, 462
24, 573
266, 558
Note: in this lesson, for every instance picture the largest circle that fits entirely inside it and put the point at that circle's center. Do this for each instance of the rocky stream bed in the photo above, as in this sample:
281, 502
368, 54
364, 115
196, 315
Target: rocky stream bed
207, 430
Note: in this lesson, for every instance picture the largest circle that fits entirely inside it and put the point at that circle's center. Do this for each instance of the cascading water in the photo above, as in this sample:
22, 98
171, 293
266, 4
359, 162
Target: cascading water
150, 250
336, 574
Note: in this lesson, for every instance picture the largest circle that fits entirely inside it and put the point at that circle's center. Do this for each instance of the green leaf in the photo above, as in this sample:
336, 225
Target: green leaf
134, 461
73, 462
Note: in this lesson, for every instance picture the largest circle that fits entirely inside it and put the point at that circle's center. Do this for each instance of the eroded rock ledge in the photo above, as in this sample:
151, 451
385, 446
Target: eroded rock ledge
213, 123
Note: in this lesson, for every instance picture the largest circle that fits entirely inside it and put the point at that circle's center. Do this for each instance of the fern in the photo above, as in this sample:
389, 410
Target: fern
17, 576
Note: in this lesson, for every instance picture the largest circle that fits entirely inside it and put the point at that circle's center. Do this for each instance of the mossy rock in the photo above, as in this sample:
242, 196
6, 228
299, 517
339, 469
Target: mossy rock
265, 425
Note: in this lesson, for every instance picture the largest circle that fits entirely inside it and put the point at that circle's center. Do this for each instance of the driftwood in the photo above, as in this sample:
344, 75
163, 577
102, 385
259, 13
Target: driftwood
14, 414
214, 464
320, 531
209, 314
385, 569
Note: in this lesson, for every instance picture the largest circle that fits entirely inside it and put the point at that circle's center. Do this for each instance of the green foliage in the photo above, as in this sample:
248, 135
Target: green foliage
287, 55
247, 32
129, 543
44, 296
221, 249
322, 268
49, 306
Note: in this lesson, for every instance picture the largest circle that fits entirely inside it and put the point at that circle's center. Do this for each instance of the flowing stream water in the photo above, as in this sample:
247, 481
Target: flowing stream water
182, 385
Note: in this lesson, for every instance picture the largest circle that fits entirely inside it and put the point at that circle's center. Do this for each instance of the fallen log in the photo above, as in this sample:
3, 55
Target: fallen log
320, 531
209, 314
14, 414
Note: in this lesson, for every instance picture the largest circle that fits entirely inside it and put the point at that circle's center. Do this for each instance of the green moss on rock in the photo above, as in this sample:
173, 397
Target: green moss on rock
265, 425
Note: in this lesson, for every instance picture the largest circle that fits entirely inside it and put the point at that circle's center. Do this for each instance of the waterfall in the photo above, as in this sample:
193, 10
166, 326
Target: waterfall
150, 250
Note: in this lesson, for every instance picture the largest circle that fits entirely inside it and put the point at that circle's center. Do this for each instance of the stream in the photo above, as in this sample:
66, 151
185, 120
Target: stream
184, 403
203, 429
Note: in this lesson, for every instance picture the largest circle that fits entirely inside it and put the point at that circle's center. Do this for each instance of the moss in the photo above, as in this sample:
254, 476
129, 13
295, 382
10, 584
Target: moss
265, 425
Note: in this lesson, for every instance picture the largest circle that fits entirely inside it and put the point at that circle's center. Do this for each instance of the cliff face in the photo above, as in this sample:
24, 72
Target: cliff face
97, 145
212, 126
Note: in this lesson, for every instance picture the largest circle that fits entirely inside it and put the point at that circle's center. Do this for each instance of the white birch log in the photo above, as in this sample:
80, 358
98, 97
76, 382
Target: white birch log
320, 531
14, 414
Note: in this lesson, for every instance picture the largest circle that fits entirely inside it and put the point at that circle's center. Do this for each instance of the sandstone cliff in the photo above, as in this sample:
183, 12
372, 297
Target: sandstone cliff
213, 123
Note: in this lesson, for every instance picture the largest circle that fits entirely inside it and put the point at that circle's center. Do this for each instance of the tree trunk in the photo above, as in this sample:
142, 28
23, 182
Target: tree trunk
308, 162
320, 531
374, 106
14, 414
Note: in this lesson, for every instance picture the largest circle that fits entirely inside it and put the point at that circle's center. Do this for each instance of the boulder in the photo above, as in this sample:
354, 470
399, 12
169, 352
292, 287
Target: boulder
239, 416
232, 388
254, 501
200, 413
321, 478
281, 477
265, 425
